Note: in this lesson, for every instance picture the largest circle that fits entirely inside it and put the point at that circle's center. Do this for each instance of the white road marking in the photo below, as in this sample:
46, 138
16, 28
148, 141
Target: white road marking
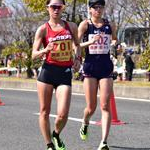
81, 94
133, 99
69, 118
19, 89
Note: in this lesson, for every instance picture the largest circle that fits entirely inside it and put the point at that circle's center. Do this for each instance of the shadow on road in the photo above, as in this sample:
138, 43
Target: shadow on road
129, 148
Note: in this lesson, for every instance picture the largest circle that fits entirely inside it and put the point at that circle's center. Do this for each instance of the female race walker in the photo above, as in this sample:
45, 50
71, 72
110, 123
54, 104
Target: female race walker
58, 38
97, 35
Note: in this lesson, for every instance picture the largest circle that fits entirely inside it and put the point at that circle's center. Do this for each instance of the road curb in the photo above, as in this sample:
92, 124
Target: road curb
119, 91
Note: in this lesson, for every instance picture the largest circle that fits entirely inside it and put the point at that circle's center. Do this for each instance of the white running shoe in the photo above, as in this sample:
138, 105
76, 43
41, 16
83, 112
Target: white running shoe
103, 146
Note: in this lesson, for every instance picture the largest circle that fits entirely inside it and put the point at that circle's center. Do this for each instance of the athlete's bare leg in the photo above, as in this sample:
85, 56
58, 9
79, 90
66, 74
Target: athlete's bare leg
106, 86
90, 90
45, 92
63, 96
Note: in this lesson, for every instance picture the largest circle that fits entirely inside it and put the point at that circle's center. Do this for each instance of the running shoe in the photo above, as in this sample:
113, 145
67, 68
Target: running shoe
103, 146
59, 145
84, 132
51, 147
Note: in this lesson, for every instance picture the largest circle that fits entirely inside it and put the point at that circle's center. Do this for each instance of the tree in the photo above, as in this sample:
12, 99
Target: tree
144, 61
119, 12
74, 3
20, 40
141, 11
21, 53
36, 5
39, 6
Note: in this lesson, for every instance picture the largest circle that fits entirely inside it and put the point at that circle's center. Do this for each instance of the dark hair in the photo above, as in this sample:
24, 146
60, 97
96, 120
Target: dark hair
48, 1
94, 2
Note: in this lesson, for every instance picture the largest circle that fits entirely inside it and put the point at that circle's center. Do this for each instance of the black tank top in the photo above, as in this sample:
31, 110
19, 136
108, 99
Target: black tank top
99, 51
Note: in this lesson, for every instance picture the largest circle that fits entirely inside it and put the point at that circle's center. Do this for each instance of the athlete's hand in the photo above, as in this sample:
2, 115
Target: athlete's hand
49, 47
76, 65
95, 38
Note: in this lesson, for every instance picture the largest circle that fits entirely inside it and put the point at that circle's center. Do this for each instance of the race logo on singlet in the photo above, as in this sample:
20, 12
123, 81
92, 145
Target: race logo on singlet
62, 50
101, 46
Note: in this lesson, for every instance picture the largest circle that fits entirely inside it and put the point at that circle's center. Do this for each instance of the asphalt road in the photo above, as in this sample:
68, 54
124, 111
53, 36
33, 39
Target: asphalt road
19, 128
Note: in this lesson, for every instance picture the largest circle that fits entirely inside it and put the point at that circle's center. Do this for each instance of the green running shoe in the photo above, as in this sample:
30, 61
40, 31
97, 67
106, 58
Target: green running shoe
103, 146
59, 145
84, 132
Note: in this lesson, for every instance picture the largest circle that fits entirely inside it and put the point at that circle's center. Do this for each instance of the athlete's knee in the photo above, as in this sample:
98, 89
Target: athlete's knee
62, 117
90, 110
105, 107
44, 113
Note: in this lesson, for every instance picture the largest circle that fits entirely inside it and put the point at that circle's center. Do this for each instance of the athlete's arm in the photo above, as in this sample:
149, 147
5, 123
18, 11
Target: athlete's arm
36, 52
81, 30
83, 26
114, 35
76, 45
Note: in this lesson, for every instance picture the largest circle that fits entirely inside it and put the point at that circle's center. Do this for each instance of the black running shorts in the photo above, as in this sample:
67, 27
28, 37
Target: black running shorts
55, 75
98, 70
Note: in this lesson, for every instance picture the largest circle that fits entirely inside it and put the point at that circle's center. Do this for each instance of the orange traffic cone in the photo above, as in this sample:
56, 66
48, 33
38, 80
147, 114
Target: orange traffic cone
114, 116
1, 103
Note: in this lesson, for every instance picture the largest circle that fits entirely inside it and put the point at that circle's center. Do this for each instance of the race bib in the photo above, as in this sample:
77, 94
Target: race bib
101, 46
62, 50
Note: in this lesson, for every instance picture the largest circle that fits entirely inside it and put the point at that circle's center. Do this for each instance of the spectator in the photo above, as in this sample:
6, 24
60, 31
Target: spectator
18, 70
9, 61
129, 65
2, 63
124, 73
